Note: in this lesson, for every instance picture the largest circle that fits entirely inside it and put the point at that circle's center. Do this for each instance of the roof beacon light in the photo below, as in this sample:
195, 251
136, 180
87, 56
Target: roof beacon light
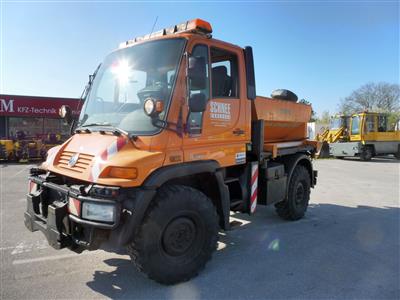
194, 26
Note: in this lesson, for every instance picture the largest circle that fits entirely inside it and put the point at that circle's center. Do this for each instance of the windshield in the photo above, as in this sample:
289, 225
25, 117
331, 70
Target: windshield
335, 123
355, 125
126, 78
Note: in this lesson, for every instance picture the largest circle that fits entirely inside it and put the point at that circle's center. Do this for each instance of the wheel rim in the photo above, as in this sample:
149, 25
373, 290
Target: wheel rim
179, 236
299, 195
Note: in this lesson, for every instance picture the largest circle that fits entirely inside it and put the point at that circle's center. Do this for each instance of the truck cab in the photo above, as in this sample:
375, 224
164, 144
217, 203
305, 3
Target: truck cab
171, 138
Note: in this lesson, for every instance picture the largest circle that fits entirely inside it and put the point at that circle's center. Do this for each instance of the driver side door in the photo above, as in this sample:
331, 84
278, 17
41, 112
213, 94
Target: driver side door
215, 134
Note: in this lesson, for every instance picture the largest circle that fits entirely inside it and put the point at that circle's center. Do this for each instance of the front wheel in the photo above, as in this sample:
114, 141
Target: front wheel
295, 206
177, 237
366, 154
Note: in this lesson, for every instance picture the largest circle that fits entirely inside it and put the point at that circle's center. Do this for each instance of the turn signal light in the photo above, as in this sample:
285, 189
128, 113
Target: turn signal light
124, 173
200, 25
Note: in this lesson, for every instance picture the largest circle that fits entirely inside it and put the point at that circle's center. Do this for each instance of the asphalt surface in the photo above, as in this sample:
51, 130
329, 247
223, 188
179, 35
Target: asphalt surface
346, 247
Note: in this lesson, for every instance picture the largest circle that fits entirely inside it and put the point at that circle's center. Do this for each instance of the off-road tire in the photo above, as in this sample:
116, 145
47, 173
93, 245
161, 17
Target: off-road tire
397, 154
366, 154
283, 94
177, 236
294, 207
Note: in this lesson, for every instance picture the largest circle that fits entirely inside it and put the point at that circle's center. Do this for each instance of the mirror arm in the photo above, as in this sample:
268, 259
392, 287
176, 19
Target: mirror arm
72, 128
165, 125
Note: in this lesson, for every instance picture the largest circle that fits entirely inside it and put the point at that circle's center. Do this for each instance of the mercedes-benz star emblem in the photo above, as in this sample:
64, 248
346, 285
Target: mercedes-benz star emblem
73, 160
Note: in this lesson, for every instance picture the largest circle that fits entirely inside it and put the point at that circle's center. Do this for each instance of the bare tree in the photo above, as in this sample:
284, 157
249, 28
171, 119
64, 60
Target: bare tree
313, 114
325, 117
379, 97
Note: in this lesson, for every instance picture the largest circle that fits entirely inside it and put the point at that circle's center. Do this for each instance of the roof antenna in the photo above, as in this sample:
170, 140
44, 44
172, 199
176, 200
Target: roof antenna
154, 25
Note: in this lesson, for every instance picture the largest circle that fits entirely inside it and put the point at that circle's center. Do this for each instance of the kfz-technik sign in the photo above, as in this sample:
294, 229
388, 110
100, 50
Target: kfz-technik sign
13, 105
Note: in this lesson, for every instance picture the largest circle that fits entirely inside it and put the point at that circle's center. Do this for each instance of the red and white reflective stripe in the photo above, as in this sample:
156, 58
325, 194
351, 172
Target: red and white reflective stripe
74, 206
254, 186
32, 187
109, 152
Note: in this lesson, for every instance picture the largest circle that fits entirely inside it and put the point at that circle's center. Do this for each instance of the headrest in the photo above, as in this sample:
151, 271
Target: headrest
220, 70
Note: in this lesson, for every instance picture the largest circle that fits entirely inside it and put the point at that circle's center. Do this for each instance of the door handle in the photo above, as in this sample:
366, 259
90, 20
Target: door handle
238, 131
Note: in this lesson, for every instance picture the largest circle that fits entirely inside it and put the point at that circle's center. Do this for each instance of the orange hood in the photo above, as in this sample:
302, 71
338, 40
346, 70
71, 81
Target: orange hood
89, 157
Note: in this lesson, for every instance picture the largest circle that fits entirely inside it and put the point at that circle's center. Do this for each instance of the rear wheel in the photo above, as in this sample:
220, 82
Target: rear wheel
295, 206
366, 154
397, 154
177, 237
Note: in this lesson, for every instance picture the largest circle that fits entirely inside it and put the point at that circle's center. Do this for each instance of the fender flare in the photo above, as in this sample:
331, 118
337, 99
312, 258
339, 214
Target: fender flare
163, 174
148, 190
291, 161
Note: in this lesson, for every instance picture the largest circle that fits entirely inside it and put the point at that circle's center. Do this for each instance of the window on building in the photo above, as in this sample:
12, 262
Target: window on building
25, 127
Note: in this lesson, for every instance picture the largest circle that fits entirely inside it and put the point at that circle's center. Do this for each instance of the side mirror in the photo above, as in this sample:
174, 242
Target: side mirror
197, 72
198, 102
65, 113
250, 78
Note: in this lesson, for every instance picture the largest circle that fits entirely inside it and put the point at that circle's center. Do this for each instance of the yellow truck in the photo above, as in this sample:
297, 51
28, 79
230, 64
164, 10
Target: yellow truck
6, 149
369, 135
337, 131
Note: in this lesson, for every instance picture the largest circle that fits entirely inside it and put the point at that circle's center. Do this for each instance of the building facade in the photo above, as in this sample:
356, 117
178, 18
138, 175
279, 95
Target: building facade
34, 117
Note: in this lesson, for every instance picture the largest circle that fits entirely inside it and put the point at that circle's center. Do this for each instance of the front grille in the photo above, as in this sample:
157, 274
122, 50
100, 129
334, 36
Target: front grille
81, 165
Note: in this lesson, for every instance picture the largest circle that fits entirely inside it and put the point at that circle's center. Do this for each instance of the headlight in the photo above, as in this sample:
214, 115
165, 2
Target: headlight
98, 212
149, 106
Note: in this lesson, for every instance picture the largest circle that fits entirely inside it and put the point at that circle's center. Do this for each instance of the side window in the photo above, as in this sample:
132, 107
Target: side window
195, 118
224, 74
369, 124
355, 125
382, 123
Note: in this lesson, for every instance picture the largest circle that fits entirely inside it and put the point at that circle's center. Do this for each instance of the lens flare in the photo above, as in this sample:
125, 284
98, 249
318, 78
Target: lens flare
122, 71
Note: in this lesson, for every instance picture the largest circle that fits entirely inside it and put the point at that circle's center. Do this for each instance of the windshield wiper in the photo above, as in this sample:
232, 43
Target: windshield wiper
96, 124
108, 128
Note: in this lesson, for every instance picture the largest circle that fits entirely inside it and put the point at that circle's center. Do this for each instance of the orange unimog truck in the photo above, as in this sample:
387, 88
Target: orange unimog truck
171, 138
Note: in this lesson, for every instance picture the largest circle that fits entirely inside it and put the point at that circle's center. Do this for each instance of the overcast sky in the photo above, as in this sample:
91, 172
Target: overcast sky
321, 51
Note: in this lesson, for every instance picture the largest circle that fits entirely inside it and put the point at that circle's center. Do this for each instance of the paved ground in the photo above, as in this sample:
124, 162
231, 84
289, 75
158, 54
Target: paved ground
346, 247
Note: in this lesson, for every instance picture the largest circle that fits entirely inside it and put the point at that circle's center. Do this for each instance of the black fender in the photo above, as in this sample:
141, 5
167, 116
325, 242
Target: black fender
145, 194
164, 174
291, 161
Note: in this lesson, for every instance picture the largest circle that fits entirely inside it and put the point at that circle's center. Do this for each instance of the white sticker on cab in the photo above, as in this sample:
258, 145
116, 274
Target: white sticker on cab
240, 157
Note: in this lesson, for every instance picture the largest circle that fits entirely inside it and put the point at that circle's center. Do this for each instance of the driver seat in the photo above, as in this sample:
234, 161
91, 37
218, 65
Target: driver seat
221, 82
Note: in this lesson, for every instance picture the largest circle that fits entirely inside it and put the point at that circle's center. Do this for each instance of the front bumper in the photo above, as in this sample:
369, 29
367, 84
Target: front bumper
47, 211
